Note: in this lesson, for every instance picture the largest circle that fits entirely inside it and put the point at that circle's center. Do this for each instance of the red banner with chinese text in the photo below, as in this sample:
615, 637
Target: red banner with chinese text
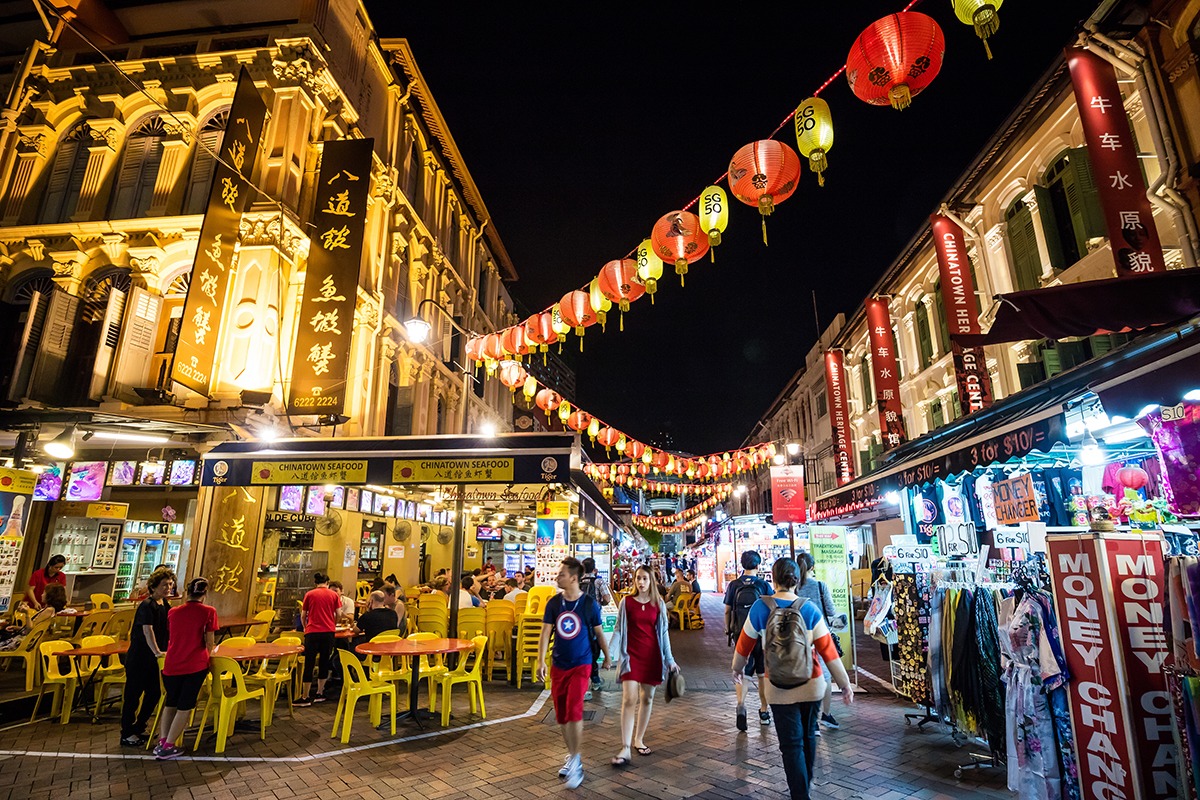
839, 415
886, 372
787, 494
962, 314
1114, 158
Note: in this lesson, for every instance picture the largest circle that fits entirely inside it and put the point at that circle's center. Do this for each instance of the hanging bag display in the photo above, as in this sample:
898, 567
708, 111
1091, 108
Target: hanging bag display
876, 623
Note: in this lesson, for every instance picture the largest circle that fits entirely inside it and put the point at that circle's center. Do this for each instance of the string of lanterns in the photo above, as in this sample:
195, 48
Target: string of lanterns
687, 515
890, 62
612, 473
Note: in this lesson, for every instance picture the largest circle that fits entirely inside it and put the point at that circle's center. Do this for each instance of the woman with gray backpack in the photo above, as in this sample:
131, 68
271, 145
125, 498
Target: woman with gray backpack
818, 592
791, 628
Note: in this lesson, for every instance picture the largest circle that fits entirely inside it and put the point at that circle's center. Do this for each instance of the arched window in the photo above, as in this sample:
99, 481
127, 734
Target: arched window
924, 338
414, 185
207, 142
1069, 206
1022, 246
139, 170
66, 176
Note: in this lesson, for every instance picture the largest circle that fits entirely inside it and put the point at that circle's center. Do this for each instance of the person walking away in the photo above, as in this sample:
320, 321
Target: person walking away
594, 587
570, 614
641, 647
740, 596
319, 618
818, 591
192, 631
792, 629
148, 642
41, 578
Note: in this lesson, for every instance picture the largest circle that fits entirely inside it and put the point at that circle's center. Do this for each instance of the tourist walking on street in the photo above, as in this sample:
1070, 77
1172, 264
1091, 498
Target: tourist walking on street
792, 628
740, 597
192, 630
319, 619
595, 587
641, 648
147, 643
571, 615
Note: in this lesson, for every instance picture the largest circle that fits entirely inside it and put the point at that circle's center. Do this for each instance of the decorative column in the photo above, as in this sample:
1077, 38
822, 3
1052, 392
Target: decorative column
32, 151
102, 156
233, 533
173, 164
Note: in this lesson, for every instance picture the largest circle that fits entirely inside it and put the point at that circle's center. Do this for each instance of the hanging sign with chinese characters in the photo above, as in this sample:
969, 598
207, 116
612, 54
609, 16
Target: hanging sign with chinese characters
887, 377
230, 549
196, 349
308, 473
962, 314
839, 415
1114, 158
320, 365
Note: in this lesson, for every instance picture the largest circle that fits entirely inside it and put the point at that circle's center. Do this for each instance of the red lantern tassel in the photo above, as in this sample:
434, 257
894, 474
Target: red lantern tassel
764, 224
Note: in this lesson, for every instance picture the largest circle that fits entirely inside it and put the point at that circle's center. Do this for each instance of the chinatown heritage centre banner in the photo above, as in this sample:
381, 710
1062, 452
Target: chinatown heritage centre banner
839, 415
962, 314
887, 372
199, 334
787, 493
320, 365
1114, 157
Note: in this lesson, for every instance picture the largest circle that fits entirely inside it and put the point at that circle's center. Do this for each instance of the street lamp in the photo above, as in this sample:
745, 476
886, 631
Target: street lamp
793, 448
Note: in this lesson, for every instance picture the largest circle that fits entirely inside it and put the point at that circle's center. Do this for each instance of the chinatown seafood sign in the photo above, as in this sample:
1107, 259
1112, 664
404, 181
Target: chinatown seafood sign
887, 372
839, 415
204, 308
320, 365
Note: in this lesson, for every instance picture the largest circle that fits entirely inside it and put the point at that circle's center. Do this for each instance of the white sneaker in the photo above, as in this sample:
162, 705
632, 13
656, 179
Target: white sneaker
575, 775
566, 767
587, 695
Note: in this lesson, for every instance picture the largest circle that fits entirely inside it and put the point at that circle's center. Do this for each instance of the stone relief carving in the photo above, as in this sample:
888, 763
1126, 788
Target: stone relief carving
35, 143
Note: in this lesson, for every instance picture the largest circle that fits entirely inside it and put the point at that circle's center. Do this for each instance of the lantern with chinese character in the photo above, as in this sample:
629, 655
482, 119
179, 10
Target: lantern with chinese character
894, 59
547, 399
814, 134
622, 443
618, 281
608, 437
575, 308
982, 14
714, 216
763, 174
593, 428
559, 325
512, 375
678, 238
600, 303
579, 420
564, 412
647, 457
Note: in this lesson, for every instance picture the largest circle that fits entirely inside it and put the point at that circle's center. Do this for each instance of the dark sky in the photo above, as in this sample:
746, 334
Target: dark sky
582, 126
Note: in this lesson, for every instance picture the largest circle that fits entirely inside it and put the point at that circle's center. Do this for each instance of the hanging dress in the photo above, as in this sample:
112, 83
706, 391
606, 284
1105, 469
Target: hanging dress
1029, 662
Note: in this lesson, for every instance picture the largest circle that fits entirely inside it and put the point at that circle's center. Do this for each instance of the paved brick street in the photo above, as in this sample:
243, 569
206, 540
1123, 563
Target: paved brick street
516, 753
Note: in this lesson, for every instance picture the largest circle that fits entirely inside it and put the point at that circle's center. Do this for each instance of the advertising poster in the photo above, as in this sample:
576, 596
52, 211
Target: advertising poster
16, 493
828, 546
548, 562
787, 494
553, 522
1015, 500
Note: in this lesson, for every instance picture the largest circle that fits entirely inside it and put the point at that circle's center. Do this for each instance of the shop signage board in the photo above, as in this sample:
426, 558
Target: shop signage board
1113, 154
16, 497
1015, 538
108, 510
291, 473
957, 541
828, 546
971, 375
962, 313
839, 415
453, 470
787, 493
857, 498
1016, 500
320, 363
886, 372
204, 308
1103, 738
289, 519
1040, 435
922, 553
229, 562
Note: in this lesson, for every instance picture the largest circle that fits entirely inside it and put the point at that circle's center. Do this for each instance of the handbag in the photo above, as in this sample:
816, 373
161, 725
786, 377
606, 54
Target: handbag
676, 685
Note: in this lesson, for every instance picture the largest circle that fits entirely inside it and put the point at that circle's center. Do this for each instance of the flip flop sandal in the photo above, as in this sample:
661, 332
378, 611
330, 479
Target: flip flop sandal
643, 751
621, 762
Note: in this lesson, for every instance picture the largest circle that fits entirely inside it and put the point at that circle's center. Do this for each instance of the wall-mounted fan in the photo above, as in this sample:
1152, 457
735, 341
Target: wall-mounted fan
329, 523
426, 533
402, 531
445, 535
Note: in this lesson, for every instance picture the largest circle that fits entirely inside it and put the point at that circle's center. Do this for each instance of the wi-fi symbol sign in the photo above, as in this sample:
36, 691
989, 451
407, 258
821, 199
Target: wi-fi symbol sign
788, 494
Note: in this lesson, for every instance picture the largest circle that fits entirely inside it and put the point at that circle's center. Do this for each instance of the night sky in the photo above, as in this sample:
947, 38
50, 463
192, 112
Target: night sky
582, 126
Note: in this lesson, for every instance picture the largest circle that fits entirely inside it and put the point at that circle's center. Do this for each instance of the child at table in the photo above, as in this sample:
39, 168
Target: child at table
55, 598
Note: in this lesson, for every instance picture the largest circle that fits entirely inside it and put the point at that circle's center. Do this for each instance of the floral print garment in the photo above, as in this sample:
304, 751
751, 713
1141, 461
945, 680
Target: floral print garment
1029, 663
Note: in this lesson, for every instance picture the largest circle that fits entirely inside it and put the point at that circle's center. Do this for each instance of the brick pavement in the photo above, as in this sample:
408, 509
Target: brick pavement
516, 753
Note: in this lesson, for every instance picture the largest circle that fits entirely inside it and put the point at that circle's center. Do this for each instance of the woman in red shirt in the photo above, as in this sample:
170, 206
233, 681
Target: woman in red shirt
41, 578
192, 628
319, 617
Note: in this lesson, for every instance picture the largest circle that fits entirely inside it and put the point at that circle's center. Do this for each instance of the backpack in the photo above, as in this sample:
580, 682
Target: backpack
588, 585
787, 645
743, 597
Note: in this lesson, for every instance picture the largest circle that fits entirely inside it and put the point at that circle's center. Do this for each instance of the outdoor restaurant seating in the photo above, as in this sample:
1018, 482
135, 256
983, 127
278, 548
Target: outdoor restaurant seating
120, 624
521, 602
228, 694
205, 698
356, 685
27, 651
60, 684
431, 668
472, 676
274, 679
695, 618
471, 623
91, 625
529, 632
500, 617
104, 671
262, 630
433, 620
102, 602
538, 597
679, 610
393, 669
296, 639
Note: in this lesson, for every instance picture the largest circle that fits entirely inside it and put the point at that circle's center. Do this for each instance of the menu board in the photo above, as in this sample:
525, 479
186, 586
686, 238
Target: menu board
549, 561
352, 499
385, 505
153, 473
291, 498
86, 481
365, 503
50, 483
123, 473
316, 501
183, 472
106, 545
339, 497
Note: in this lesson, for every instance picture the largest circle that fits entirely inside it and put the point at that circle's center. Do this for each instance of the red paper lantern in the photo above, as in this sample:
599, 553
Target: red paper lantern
1132, 477
475, 348
660, 459
678, 238
634, 449
547, 399
619, 283
579, 421
763, 174
512, 374
608, 437
894, 59
493, 347
576, 310
513, 340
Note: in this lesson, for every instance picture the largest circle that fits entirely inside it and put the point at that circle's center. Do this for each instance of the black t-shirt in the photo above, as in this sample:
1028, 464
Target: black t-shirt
152, 613
377, 621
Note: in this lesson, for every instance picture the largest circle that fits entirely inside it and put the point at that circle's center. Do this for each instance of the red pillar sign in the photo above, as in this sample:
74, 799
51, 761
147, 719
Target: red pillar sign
1113, 155
962, 314
887, 372
839, 415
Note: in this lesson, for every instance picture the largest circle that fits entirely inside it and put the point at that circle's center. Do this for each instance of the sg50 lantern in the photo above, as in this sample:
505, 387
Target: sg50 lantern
814, 134
678, 238
600, 303
714, 216
983, 15
763, 174
649, 267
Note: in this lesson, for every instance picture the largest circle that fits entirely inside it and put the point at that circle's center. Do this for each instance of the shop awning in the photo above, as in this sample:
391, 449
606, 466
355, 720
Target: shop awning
1129, 395
1116, 305
504, 459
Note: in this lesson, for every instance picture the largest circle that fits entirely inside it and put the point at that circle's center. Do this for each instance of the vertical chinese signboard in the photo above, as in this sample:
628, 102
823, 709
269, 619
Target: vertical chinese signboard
962, 315
787, 494
829, 547
16, 494
320, 367
839, 415
887, 372
234, 528
1114, 157
195, 352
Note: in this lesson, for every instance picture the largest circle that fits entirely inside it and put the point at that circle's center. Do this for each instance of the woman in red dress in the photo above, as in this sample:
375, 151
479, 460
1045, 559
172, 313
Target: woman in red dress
642, 652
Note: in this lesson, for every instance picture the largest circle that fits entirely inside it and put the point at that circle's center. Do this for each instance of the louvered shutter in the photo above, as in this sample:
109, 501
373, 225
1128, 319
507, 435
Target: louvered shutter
106, 347
149, 175
1051, 361
445, 338
53, 347
924, 342
202, 172
125, 203
1022, 244
1050, 225
56, 187
1085, 208
31, 337
135, 351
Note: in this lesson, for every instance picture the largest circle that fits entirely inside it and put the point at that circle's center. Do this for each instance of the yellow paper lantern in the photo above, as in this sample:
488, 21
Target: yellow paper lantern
814, 134
621, 444
983, 15
648, 456
649, 267
593, 428
564, 410
714, 215
530, 388
599, 303
559, 324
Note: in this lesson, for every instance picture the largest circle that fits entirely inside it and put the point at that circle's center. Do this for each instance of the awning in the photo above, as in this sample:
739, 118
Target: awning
1171, 380
1116, 305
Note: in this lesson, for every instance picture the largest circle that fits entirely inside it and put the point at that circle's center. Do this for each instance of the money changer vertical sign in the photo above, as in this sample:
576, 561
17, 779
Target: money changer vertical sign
829, 548
319, 366
196, 350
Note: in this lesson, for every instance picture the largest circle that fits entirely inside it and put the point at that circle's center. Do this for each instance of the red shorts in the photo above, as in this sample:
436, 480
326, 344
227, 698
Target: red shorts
568, 687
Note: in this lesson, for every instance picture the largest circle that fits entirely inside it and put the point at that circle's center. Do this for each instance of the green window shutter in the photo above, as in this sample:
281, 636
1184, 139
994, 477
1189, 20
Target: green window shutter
1022, 245
1050, 228
1051, 362
865, 377
943, 325
1090, 214
864, 462
1031, 374
1071, 354
924, 342
899, 353
955, 406
937, 417
1101, 345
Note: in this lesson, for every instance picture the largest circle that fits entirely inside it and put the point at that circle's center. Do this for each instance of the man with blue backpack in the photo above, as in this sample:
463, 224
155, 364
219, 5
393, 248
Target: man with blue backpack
740, 596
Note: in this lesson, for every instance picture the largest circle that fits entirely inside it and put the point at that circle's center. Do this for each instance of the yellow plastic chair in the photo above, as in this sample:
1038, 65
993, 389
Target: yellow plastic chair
537, 597
433, 621
362, 590
500, 617
27, 651
103, 602
60, 684
472, 676
472, 623
91, 625
679, 611
120, 624
355, 685
695, 618
438, 599
272, 680
432, 667
260, 631
393, 669
521, 603
228, 698
205, 697
239, 641
105, 671
295, 640
529, 634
